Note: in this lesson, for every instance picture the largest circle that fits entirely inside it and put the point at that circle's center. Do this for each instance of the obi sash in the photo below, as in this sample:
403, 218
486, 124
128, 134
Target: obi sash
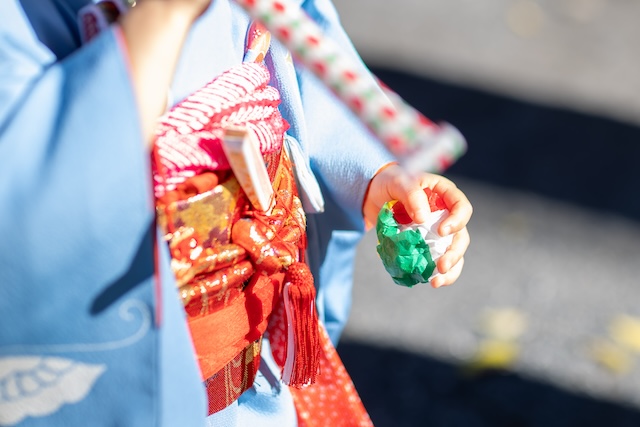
230, 258
240, 269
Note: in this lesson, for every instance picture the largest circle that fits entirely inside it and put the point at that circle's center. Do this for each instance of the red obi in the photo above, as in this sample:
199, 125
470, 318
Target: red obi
230, 259
240, 270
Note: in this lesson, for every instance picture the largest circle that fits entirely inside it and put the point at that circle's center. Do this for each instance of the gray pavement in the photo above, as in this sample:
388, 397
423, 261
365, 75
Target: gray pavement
580, 54
567, 271
546, 92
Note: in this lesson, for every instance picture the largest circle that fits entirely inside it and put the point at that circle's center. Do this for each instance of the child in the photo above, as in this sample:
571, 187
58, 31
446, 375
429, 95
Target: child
91, 329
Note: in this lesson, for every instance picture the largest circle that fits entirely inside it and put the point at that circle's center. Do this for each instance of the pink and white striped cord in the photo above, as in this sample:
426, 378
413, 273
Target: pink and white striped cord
418, 143
189, 136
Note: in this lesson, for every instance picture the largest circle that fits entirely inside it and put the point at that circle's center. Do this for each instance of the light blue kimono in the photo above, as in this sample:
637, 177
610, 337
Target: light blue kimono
87, 336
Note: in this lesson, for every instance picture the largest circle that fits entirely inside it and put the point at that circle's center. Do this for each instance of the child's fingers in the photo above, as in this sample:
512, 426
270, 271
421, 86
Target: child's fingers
449, 277
416, 203
393, 183
460, 209
410, 192
456, 251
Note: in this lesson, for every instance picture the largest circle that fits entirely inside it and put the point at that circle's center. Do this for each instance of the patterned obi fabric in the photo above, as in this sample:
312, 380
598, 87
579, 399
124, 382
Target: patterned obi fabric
229, 258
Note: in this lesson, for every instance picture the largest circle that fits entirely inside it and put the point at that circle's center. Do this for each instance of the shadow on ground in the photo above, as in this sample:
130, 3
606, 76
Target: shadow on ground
403, 389
582, 159
574, 157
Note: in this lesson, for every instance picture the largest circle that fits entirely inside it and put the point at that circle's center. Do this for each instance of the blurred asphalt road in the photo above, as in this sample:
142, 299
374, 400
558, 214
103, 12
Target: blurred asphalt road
543, 328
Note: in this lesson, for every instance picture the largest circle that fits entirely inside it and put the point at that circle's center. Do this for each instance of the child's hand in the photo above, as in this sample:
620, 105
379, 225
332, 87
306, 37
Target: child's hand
393, 183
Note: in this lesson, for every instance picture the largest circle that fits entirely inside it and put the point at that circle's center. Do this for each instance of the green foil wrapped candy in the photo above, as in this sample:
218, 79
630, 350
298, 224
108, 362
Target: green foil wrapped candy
409, 251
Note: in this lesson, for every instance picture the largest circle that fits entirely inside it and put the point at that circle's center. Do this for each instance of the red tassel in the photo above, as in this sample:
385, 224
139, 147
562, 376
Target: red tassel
303, 342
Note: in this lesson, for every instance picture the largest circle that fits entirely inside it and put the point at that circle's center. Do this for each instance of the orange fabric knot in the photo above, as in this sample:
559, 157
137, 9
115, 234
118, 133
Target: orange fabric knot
274, 240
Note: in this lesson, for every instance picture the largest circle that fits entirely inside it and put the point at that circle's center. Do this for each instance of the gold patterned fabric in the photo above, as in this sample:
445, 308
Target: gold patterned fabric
230, 261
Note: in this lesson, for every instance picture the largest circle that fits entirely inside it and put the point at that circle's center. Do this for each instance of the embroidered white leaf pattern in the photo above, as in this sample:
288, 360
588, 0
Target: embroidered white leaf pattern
33, 386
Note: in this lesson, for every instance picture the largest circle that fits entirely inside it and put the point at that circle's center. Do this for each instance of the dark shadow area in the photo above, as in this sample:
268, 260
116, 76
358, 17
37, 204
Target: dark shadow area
403, 389
139, 270
578, 158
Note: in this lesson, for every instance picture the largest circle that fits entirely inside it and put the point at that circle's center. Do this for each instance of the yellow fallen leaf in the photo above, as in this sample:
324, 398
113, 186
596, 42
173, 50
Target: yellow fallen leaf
612, 357
493, 355
503, 323
625, 330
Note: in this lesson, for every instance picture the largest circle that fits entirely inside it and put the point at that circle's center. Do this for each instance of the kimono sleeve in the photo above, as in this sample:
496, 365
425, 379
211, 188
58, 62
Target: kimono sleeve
78, 299
73, 168
343, 152
344, 156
